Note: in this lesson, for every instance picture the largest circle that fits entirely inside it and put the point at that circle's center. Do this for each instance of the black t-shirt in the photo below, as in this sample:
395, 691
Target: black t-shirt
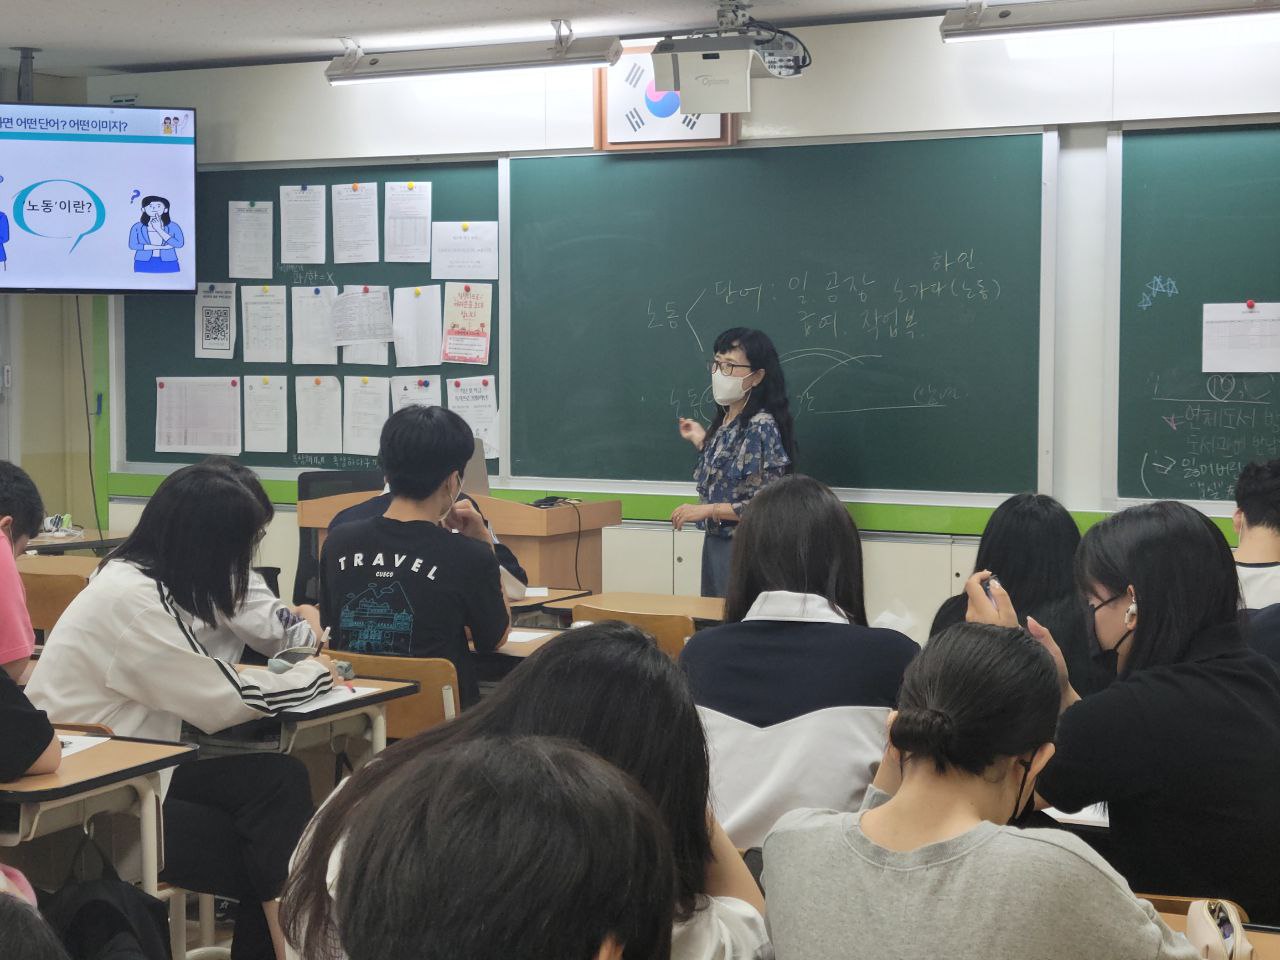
25, 732
1264, 631
411, 589
1187, 757
767, 671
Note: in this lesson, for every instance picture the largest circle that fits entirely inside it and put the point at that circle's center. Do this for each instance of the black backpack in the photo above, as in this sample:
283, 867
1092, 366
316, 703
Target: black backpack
100, 917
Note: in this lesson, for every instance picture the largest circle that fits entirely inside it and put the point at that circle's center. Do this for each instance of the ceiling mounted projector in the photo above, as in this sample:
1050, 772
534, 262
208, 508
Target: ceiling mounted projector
712, 69
566, 50
982, 21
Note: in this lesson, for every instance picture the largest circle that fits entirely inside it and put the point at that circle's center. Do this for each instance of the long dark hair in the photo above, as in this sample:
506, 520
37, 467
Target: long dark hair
1180, 567
146, 217
976, 693
607, 687
770, 396
1030, 544
505, 848
796, 535
248, 479
196, 536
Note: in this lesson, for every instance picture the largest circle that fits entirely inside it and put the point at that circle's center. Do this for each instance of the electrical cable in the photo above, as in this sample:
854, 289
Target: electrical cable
88, 423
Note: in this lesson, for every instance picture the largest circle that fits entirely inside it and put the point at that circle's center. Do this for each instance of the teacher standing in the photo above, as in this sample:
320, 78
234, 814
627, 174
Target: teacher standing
750, 442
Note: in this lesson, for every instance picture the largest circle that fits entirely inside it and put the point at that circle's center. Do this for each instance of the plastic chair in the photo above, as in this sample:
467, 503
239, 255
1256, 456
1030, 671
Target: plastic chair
671, 631
48, 594
434, 703
317, 485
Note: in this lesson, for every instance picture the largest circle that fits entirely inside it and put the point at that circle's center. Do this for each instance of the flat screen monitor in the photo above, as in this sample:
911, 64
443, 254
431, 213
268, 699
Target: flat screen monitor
97, 199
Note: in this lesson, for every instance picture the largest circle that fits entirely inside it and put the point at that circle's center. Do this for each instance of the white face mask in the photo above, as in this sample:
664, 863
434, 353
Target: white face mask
727, 389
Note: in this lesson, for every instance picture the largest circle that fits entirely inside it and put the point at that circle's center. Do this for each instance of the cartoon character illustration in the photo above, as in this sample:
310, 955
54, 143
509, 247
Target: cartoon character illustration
155, 239
168, 126
4, 237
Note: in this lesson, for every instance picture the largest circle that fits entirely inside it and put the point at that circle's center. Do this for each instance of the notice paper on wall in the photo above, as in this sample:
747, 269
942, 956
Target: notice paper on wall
265, 334
302, 216
362, 314
216, 320
417, 326
198, 415
365, 410
250, 250
406, 222
313, 324
464, 249
318, 414
1241, 337
414, 391
355, 223
466, 322
475, 400
266, 414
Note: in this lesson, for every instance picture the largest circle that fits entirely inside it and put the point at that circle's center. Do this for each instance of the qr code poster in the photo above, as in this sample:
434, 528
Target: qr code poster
216, 320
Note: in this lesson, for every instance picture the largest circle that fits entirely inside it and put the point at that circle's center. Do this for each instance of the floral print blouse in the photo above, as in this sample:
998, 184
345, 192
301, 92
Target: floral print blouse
738, 460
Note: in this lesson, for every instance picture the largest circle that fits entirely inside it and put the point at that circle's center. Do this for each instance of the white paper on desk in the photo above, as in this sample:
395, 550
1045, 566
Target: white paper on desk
537, 593
302, 214
318, 414
464, 250
406, 222
198, 415
527, 636
265, 328
365, 401
313, 324
467, 312
415, 391
73, 743
475, 400
1092, 816
511, 585
1236, 339
416, 326
249, 238
338, 696
355, 223
216, 320
266, 414
362, 314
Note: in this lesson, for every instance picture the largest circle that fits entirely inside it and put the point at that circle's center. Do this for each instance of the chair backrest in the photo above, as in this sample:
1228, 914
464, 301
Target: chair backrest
670, 630
48, 594
316, 485
436, 701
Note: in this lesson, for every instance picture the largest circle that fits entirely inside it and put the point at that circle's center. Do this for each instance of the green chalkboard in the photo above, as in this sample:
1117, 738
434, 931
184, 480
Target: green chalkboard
159, 330
900, 282
1201, 225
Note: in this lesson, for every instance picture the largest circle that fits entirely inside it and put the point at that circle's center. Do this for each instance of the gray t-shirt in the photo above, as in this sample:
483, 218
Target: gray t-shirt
992, 892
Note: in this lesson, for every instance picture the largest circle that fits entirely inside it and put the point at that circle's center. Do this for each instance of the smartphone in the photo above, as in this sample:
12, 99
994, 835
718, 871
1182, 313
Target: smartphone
986, 588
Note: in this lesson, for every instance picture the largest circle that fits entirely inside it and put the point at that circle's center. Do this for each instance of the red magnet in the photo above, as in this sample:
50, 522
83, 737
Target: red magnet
484, 382
422, 383
457, 383
466, 288
366, 289
1250, 304
161, 384
235, 383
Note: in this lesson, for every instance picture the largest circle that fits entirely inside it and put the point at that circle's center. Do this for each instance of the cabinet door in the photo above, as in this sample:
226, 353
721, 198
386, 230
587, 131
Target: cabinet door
687, 572
964, 554
637, 558
906, 581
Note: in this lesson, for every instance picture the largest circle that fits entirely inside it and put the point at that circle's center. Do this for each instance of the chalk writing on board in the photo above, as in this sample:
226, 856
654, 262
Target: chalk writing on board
1155, 288
334, 461
300, 275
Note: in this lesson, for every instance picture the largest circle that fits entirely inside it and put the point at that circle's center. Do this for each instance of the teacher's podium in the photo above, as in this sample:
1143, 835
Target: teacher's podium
558, 546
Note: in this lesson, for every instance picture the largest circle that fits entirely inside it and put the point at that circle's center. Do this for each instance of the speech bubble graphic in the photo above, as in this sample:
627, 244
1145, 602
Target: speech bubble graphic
135, 195
59, 209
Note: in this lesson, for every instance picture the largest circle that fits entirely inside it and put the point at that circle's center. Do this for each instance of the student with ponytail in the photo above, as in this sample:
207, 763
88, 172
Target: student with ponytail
929, 868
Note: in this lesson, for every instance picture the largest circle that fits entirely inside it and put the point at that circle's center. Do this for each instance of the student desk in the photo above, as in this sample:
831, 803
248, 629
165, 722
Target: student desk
49, 545
554, 595
524, 641
708, 609
122, 774
1266, 943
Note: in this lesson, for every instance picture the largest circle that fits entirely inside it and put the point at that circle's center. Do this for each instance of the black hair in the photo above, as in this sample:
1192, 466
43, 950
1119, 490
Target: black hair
1180, 567
196, 536
770, 396
606, 686
505, 849
1029, 544
146, 217
1258, 494
20, 499
248, 479
420, 447
24, 934
796, 535
976, 693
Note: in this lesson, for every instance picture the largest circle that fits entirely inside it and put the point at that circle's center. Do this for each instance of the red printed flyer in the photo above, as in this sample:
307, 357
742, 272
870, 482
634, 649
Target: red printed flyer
466, 322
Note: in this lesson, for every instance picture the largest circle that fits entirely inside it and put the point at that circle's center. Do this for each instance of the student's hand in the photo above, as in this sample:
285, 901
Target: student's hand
889, 777
690, 513
692, 431
328, 664
310, 614
466, 519
1042, 634
982, 609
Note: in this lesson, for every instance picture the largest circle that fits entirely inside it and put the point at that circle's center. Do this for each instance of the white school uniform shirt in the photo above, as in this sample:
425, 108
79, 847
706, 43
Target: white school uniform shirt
263, 622
124, 654
1259, 584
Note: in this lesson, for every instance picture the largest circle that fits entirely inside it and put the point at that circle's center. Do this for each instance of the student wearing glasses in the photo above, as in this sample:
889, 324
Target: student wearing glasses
750, 442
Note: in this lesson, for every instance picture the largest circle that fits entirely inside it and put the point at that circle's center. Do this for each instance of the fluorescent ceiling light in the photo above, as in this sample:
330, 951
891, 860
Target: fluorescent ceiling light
978, 21
356, 66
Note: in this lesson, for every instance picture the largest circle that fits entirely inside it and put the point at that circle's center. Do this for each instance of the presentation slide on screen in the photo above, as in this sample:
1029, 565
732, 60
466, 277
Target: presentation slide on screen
97, 198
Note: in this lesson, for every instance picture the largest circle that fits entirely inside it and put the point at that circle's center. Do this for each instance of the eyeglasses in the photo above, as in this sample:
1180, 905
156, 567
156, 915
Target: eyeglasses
727, 367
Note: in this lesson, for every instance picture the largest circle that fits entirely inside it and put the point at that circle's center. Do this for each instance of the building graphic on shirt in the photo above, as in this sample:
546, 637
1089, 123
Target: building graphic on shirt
379, 619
